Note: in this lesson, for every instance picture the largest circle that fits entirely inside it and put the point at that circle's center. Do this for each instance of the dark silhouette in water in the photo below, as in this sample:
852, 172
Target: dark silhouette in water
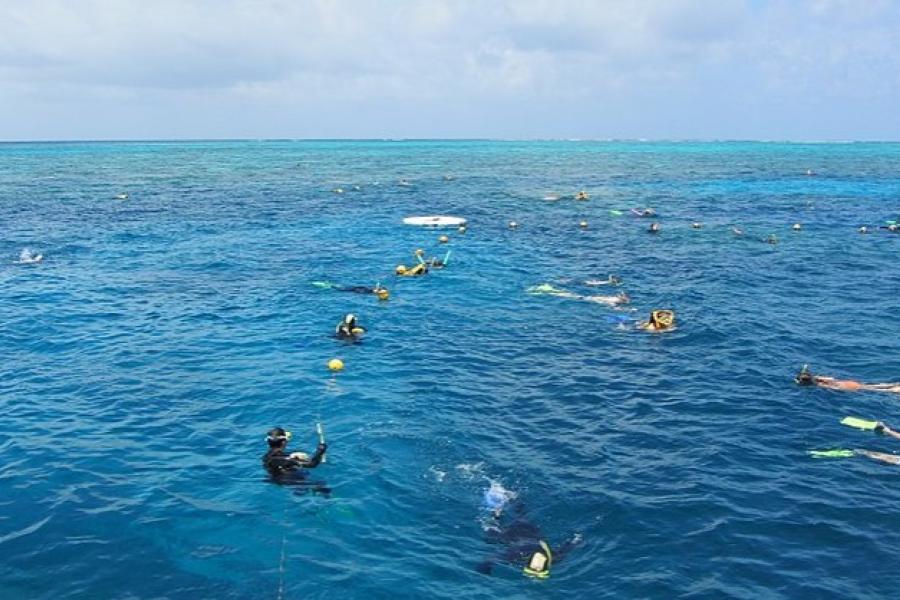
291, 469
518, 539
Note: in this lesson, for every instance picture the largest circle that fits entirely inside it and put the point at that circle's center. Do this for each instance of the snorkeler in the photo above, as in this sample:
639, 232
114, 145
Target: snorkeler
27, 258
617, 300
348, 328
611, 280
582, 195
654, 228
378, 290
435, 262
805, 378
524, 544
280, 464
416, 271
546, 289
643, 212
660, 320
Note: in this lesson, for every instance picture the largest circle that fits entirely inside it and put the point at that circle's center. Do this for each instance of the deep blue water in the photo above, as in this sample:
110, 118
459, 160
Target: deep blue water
144, 359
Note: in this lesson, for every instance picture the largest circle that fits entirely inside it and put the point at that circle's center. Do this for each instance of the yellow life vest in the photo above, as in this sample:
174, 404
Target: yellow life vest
540, 562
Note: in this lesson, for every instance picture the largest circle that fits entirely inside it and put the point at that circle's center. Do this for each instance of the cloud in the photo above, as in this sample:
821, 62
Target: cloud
601, 67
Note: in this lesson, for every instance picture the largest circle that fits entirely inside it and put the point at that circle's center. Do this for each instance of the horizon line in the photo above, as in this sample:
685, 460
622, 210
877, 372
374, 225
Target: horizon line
444, 139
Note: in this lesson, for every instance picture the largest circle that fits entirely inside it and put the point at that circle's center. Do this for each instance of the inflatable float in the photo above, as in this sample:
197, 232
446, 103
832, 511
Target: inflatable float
435, 221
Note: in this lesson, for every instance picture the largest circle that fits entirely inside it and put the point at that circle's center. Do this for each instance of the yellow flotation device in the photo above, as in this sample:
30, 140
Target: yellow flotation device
662, 319
540, 562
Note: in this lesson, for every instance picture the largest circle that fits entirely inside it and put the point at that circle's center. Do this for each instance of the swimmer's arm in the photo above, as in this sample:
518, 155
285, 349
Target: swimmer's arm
312, 463
886, 430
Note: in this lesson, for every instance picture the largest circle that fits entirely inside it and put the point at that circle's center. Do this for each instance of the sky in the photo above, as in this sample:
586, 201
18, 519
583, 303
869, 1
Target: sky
521, 69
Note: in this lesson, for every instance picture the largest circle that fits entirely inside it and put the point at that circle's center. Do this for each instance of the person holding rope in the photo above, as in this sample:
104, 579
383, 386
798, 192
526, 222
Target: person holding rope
289, 468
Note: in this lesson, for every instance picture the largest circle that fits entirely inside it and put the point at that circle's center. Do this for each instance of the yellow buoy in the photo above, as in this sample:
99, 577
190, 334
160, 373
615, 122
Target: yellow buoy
336, 364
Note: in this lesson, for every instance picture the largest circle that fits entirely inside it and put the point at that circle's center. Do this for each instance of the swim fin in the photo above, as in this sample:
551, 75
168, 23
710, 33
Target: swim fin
859, 423
836, 453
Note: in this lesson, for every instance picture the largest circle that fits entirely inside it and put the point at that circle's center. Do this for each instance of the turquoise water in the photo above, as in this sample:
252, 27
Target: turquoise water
144, 359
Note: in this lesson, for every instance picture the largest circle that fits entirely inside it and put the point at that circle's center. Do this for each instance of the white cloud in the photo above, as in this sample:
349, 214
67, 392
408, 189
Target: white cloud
603, 66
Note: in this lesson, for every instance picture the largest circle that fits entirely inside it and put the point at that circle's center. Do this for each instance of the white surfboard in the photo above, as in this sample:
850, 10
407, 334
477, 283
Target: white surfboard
435, 221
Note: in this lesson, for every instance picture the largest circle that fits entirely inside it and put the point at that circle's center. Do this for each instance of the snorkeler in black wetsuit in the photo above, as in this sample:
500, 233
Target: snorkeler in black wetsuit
288, 469
523, 544
348, 328
379, 291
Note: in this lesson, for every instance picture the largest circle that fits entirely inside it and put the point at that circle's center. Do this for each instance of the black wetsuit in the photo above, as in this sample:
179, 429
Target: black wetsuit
344, 331
357, 289
518, 539
279, 464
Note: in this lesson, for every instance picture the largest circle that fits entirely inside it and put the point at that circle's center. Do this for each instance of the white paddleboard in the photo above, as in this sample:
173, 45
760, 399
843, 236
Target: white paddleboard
435, 221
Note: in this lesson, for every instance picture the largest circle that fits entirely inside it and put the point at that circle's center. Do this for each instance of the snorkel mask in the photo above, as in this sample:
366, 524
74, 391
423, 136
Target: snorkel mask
804, 377
278, 436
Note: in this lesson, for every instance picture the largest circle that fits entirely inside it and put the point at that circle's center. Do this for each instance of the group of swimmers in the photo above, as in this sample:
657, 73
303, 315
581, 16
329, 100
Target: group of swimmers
807, 378
521, 539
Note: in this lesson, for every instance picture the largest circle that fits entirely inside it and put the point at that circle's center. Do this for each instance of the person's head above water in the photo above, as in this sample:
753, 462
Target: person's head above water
400, 270
350, 320
382, 293
278, 437
804, 377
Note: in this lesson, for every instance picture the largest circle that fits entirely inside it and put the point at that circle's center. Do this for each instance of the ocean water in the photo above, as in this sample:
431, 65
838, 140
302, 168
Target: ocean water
146, 356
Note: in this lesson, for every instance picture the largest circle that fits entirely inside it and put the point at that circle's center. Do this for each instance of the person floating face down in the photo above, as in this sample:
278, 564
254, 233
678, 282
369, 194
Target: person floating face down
381, 292
660, 320
806, 378
289, 468
348, 328
415, 271
522, 543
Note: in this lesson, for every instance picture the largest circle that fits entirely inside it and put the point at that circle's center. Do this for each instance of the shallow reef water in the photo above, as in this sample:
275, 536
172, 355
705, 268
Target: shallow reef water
163, 333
